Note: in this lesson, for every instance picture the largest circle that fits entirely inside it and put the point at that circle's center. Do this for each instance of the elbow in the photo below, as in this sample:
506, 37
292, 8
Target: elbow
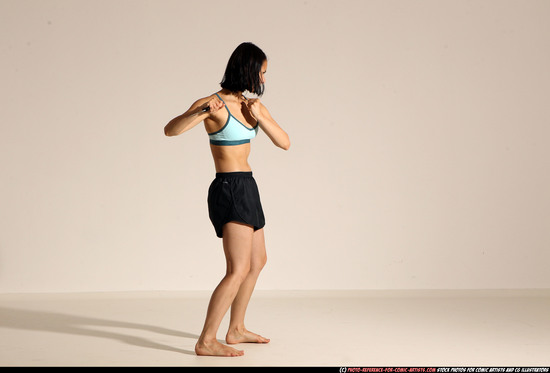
167, 132
286, 145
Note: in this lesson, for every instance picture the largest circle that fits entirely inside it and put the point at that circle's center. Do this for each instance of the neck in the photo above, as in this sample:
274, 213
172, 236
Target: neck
237, 95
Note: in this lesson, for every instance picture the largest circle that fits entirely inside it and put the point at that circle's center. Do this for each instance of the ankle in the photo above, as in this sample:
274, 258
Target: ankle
236, 329
205, 340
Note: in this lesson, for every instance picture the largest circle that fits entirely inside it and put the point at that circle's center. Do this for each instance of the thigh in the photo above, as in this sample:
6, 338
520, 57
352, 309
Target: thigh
237, 246
259, 254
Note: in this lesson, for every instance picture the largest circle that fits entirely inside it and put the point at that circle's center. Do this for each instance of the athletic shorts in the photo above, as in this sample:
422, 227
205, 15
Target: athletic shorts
234, 196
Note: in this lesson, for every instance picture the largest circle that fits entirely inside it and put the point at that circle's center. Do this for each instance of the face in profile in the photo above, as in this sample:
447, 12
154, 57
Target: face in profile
263, 72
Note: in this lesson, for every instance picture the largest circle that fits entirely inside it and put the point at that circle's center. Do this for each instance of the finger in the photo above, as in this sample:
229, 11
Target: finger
251, 102
215, 104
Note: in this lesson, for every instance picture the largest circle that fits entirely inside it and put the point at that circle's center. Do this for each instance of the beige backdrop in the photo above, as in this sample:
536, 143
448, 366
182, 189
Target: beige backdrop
419, 129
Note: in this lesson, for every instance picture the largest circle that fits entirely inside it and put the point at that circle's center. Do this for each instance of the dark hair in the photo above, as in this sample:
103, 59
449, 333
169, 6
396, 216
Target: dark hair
243, 70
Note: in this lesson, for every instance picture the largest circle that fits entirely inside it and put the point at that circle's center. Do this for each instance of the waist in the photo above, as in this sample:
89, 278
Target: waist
231, 158
225, 175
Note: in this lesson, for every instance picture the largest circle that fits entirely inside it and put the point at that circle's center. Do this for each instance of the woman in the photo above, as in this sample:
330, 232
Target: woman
231, 121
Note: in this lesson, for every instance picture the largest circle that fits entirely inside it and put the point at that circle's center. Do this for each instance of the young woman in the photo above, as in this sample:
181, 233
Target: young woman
231, 121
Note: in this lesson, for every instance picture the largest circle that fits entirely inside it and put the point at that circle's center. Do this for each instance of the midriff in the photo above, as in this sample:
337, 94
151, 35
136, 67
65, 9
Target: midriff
231, 158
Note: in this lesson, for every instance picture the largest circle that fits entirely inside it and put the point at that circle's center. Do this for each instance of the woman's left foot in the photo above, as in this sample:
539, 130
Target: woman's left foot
235, 336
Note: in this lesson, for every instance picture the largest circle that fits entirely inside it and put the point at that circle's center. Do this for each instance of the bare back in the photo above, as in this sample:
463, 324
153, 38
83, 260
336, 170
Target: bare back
230, 159
250, 113
233, 157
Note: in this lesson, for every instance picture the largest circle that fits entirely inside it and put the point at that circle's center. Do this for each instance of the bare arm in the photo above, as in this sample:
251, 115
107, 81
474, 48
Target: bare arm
277, 135
193, 116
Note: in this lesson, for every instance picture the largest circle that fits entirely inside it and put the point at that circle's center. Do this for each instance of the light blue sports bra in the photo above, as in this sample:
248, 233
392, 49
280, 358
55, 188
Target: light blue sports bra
233, 131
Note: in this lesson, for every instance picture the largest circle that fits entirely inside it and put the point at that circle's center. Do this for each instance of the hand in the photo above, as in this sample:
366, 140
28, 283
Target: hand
215, 104
255, 107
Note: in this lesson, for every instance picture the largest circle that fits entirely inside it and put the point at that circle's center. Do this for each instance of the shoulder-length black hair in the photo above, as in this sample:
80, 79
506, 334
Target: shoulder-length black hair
243, 70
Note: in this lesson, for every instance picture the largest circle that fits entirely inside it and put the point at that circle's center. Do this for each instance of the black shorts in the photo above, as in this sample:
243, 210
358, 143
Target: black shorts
234, 196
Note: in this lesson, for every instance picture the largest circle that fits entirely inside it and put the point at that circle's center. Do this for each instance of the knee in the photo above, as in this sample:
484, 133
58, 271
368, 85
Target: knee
264, 261
239, 274
258, 265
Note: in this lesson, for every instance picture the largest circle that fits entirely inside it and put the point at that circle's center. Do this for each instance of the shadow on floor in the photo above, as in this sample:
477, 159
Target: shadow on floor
13, 318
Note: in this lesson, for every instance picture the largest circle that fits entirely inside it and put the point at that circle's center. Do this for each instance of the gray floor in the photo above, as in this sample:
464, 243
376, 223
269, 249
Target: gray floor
320, 328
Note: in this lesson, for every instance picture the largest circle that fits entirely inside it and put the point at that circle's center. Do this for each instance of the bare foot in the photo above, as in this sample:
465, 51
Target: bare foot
215, 348
245, 336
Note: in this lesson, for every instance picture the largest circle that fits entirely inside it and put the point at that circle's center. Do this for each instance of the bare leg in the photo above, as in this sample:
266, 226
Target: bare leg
237, 244
237, 332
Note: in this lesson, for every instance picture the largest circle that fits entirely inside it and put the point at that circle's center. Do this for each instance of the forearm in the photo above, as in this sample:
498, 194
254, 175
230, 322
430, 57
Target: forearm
185, 122
277, 135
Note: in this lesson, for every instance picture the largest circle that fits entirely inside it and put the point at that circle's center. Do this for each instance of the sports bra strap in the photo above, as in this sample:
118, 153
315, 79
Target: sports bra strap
224, 104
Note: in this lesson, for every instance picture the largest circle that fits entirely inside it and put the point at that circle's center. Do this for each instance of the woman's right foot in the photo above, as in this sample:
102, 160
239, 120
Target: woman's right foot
215, 348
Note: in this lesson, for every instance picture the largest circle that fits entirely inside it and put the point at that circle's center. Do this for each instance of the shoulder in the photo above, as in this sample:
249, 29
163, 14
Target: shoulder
264, 109
203, 100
